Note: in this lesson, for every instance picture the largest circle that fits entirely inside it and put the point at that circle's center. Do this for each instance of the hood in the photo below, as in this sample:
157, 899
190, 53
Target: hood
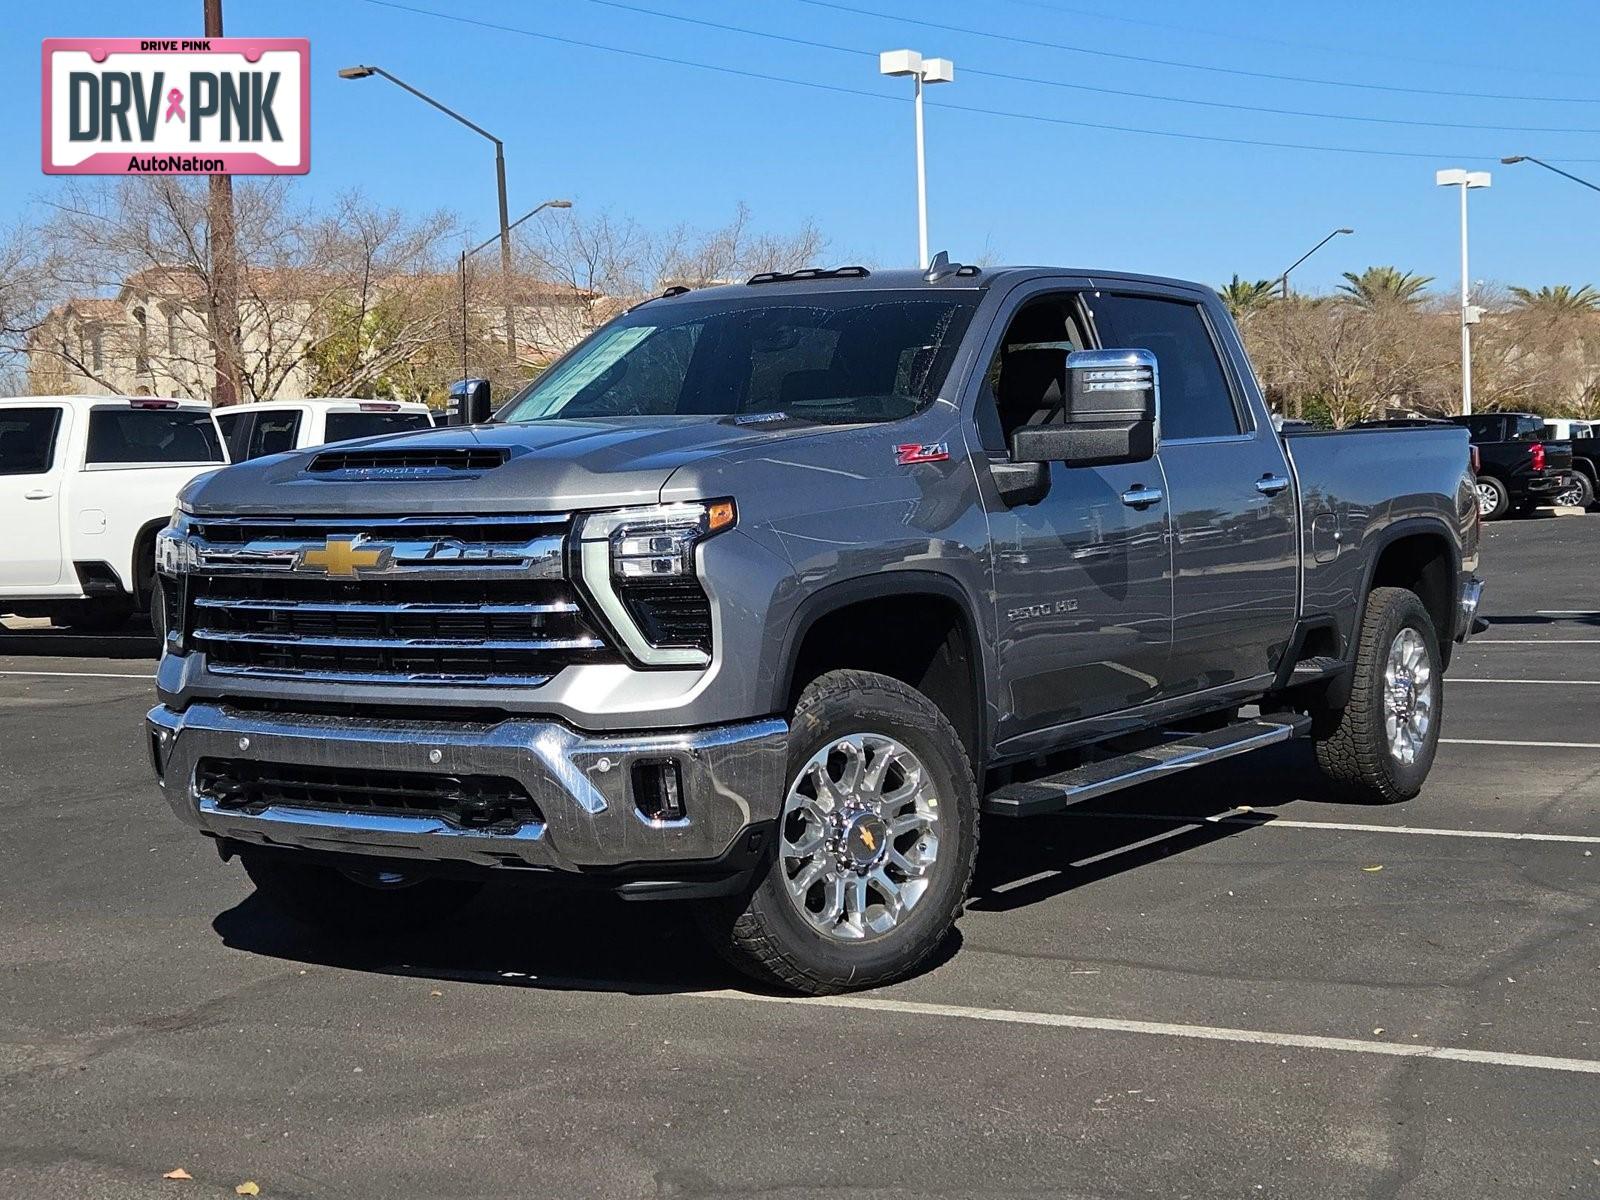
549, 466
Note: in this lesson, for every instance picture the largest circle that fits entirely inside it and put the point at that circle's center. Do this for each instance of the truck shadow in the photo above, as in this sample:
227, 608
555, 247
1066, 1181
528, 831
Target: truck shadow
1536, 619
1025, 862
133, 641
524, 935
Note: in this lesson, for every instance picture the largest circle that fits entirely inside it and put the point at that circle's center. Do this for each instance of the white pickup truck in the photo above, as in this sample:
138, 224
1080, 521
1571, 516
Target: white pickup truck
86, 482
273, 426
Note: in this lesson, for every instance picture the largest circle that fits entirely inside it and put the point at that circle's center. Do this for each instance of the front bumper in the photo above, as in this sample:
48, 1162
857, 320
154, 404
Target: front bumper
732, 781
1467, 607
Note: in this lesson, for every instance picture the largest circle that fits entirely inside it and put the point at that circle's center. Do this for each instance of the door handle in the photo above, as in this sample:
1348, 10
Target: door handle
37, 494
1271, 485
1141, 496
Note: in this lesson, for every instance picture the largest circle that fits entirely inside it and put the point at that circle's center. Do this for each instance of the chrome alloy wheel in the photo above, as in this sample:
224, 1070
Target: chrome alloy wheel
1408, 694
1488, 497
859, 836
1572, 497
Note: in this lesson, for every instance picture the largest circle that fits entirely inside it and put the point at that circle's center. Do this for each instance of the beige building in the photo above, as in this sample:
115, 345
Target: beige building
153, 337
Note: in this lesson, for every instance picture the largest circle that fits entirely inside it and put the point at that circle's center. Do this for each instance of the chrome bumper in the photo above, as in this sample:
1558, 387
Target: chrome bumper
732, 775
1467, 607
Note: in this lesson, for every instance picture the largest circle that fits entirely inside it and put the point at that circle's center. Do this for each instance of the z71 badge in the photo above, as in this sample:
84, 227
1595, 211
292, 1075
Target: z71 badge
910, 453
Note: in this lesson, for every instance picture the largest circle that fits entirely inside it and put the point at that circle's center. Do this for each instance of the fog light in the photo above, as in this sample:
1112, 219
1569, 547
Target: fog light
658, 789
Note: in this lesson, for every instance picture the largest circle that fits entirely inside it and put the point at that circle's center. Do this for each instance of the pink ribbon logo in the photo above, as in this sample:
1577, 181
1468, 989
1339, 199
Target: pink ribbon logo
175, 106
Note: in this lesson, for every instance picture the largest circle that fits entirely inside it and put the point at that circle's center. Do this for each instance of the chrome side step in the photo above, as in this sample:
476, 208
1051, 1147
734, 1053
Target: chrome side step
1055, 792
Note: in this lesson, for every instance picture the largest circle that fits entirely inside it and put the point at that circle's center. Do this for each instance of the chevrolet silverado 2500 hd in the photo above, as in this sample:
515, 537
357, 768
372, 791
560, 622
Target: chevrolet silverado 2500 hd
765, 592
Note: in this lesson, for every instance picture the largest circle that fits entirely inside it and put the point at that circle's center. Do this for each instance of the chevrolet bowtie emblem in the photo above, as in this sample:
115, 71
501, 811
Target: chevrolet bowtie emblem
341, 556
867, 838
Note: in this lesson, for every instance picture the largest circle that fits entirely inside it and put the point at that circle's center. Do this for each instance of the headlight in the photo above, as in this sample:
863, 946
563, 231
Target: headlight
638, 565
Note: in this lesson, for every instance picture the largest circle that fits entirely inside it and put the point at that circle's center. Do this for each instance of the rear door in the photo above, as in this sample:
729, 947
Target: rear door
1235, 564
32, 453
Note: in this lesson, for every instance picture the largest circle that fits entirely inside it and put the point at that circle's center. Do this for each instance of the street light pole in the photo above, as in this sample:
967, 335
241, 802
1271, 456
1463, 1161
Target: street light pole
362, 72
1466, 181
923, 71
1283, 281
501, 238
1517, 158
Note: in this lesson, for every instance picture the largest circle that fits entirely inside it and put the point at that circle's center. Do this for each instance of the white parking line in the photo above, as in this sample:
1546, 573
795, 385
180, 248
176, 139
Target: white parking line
1444, 741
1533, 682
1476, 642
1205, 1033
76, 675
1268, 821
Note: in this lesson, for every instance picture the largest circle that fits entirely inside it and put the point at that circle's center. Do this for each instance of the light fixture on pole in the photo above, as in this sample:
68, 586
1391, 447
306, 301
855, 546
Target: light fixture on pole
1471, 314
1517, 158
924, 71
362, 72
466, 254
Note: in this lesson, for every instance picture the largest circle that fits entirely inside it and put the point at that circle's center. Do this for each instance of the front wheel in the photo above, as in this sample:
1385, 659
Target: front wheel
352, 901
875, 847
1379, 747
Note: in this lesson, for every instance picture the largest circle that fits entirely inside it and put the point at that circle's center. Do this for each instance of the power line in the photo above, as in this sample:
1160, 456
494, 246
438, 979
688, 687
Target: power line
1084, 87
1284, 43
1188, 66
991, 112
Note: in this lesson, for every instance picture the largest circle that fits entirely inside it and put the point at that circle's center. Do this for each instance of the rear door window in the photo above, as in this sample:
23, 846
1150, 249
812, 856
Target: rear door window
1196, 400
274, 433
119, 436
343, 426
235, 428
28, 440
1528, 429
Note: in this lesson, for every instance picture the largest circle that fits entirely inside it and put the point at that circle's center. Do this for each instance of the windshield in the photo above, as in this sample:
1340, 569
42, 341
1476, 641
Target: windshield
845, 357
343, 427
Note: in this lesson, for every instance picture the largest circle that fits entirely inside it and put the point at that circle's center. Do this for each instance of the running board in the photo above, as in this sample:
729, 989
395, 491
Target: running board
1055, 792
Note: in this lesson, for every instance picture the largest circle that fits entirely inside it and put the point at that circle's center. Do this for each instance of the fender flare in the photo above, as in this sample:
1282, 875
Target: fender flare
903, 582
1386, 537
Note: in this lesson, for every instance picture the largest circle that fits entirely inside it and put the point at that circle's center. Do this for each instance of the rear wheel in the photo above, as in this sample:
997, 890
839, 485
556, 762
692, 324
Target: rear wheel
355, 900
1379, 747
1493, 499
1579, 494
875, 846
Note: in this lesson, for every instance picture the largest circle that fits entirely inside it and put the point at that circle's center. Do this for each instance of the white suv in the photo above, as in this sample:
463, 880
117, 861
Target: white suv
273, 426
86, 482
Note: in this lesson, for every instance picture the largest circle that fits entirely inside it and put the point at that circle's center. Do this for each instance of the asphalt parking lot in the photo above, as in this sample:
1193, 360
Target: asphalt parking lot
1224, 986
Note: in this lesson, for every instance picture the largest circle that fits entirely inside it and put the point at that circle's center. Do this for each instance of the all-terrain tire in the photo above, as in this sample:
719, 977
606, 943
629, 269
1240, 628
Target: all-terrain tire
763, 933
326, 899
1352, 744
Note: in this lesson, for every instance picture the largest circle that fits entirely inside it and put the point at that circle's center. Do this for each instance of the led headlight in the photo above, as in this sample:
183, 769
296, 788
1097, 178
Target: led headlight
638, 564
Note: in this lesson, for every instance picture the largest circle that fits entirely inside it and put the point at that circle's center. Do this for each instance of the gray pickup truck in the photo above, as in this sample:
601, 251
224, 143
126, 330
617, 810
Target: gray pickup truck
764, 593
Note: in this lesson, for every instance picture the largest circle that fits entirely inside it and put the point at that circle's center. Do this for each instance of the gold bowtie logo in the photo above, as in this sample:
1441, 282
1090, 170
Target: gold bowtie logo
867, 838
340, 556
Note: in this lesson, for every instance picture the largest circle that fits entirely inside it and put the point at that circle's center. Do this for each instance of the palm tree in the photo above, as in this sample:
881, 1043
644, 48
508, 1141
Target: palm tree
1241, 296
1561, 300
1384, 285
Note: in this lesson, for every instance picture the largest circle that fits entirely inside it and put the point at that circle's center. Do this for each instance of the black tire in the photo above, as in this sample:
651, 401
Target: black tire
1581, 494
1501, 498
763, 934
93, 616
1352, 745
158, 611
329, 900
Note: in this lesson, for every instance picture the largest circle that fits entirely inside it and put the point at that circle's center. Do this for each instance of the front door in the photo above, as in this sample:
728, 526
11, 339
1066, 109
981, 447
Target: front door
31, 475
1235, 570
1082, 584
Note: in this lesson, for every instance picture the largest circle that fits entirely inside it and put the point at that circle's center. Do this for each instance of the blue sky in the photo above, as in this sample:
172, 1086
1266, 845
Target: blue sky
666, 143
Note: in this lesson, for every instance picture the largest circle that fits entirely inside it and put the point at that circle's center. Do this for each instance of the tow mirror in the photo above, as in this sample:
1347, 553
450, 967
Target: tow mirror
1112, 397
469, 402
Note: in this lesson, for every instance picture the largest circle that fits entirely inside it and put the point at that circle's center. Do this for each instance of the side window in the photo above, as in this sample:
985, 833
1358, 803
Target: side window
28, 440
235, 428
1023, 381
274, 433
1528, 429
1196, 401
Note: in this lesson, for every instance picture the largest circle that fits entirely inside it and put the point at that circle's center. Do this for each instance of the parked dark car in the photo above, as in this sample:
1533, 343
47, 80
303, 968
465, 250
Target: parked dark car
1520, 466
1584, 438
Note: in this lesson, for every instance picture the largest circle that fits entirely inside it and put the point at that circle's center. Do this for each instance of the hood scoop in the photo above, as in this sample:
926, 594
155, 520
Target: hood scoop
420, 462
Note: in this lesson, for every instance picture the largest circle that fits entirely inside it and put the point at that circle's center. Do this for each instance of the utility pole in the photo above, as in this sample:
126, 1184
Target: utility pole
224, 275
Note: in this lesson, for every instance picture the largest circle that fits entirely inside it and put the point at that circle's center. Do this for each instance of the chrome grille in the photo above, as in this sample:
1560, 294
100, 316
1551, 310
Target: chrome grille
398, 600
